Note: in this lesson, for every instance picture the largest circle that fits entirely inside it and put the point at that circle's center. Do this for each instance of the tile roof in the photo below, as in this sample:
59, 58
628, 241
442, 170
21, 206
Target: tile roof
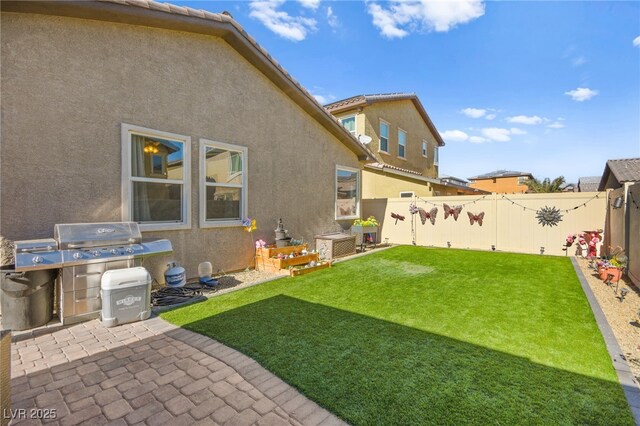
436, 181
625, 169
381, 166
453, 178
363, 100
589, 183
182, 18
500, 174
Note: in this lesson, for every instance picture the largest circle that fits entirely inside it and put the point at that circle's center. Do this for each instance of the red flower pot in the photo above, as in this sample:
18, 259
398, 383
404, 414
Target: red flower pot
602, 273
617, 274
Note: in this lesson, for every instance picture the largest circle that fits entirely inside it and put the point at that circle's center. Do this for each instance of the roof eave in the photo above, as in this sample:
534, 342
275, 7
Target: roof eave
226, 28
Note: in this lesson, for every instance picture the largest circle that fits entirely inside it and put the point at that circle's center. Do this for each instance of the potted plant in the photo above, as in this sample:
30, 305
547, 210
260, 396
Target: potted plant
363, 227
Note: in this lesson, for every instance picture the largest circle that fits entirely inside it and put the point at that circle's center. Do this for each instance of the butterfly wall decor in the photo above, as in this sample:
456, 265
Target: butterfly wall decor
476, 218
451, 211
424, 215
397, 217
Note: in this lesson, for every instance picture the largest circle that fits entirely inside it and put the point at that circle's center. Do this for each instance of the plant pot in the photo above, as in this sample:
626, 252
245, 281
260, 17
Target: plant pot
617, 274
602, 273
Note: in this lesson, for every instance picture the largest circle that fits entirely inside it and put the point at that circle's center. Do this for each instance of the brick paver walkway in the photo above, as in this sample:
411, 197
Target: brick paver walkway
152, 373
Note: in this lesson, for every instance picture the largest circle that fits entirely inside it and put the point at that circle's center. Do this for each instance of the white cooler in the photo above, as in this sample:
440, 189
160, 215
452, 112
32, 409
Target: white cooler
126, 296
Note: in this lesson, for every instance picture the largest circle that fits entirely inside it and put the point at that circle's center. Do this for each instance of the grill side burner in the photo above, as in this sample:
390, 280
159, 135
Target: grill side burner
83, 252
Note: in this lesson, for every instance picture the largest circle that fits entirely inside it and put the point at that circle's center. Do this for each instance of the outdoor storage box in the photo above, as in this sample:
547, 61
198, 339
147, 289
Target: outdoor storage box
126, 296
338, 244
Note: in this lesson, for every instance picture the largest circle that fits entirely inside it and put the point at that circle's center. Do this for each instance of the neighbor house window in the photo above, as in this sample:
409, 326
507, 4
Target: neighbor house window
522, 180
155, 178
223, 184
402, 143
435, 156
349, 123
384, 136
424, 148
407, 194
347, 193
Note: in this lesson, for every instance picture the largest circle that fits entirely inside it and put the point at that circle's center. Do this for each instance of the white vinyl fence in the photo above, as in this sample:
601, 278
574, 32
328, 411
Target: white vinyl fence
509, 222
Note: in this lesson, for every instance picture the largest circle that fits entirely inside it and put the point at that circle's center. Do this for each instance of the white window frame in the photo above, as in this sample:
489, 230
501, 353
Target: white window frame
522, 180
335, 192
244, 207
405, 144
388, 136
355, 123
127, 179
436, 156
425, 148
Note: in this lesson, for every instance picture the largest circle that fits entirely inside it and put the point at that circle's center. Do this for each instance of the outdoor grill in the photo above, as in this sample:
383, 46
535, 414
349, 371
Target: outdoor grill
83, 252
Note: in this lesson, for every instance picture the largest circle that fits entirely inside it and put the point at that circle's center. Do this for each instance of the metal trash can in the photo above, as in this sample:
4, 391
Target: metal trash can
126, 296
27, 297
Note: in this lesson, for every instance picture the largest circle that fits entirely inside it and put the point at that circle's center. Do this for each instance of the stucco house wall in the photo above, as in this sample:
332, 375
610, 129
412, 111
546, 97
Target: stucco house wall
502, 184
69, 84
403, 115
378, 184
398, 114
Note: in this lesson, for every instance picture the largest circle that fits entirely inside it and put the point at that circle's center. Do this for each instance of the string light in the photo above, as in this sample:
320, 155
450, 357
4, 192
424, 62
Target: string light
442, 204
565, 210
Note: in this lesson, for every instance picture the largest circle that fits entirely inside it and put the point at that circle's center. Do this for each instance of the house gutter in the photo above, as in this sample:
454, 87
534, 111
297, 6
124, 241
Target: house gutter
176, 18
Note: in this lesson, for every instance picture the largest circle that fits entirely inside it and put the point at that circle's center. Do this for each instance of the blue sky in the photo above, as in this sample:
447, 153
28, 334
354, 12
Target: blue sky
552, 88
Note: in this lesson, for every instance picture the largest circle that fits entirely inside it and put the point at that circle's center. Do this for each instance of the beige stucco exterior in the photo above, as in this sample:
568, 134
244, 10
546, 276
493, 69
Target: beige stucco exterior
509, 184
378, 184
402, 115
68, 84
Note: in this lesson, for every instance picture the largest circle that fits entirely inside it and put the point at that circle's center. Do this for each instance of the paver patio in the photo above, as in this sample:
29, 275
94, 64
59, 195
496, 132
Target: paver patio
149, 372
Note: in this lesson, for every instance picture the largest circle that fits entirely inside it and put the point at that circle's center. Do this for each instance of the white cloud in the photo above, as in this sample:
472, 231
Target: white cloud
402, 17
556, 125
478, 139
474, 112
310, 4
454, 135
579, 60
524, 119
324, 99
332, 19
636, 41
294, 28
516, 131
581, 94
497, 134
490, 116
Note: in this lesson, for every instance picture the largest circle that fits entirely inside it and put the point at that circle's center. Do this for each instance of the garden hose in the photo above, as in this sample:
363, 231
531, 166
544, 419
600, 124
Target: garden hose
166, 296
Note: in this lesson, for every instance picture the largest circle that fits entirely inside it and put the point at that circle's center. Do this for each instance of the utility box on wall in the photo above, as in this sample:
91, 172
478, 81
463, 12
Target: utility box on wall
332, 246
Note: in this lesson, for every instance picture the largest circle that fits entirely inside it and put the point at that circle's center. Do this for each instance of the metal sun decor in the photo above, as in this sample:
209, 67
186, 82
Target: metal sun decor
548, 216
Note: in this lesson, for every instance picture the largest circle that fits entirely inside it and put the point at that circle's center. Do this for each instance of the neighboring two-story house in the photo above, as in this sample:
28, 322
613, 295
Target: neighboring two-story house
403, 139
501, 181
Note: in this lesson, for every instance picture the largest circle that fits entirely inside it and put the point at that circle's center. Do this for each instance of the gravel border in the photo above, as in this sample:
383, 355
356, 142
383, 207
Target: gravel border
625, 376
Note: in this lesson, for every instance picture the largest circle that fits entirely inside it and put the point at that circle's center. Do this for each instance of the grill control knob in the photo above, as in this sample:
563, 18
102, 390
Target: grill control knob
113, 251
77, 255
96, 253
37, 259
129, 250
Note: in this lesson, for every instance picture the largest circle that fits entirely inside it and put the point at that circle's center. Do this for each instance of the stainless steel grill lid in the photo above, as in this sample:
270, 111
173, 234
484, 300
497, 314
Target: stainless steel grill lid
87, 235
83, 243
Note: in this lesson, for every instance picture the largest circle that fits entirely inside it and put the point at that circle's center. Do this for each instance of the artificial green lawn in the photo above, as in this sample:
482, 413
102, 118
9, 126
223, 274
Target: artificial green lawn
414, 335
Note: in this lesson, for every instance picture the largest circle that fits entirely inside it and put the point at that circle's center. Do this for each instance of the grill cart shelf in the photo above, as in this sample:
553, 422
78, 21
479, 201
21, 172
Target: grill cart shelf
266, 258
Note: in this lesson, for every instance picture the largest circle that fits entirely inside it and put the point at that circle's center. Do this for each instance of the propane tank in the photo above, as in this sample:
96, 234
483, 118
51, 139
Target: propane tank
175, 276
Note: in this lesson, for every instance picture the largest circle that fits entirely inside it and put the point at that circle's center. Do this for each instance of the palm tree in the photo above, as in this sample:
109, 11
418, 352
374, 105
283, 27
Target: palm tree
546, 185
